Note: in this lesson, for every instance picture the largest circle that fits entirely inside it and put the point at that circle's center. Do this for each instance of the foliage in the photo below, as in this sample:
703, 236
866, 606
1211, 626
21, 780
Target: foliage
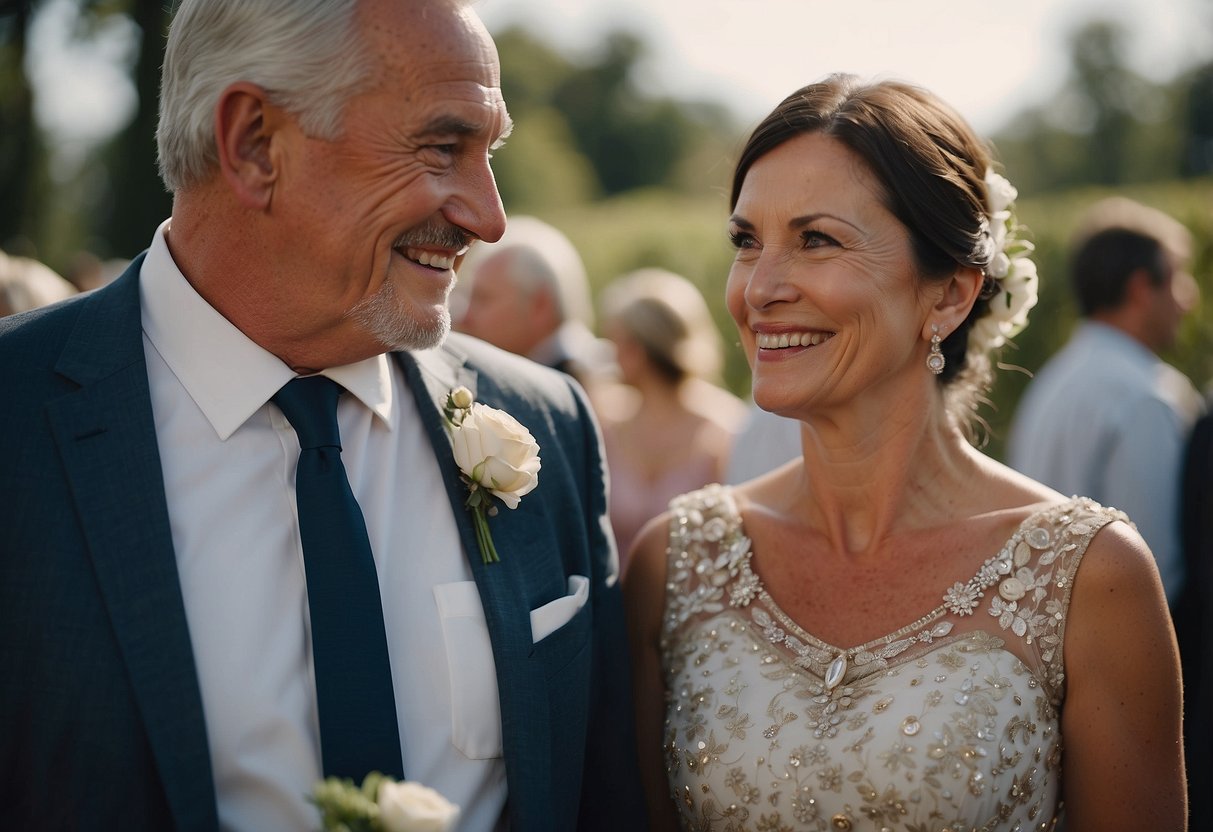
20, 143
540, 167
1108, 125
135, 201
113, 204
625, 137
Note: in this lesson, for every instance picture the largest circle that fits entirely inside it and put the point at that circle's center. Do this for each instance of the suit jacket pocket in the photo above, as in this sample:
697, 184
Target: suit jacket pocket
475, 708
555, 614
561, 628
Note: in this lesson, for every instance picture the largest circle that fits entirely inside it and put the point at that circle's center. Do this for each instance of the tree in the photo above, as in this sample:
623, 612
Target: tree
20, 142
1111, 92
627, 137
123, 198
1107, 125
1198, 110
135, 201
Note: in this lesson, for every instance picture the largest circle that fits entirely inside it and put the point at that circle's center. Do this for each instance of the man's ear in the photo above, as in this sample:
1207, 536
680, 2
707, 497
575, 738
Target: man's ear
955, 297
1139, 289
246, 127
544, 307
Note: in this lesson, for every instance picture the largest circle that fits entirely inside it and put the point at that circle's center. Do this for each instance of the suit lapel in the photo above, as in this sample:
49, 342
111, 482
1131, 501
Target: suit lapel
503, 586
107, 441
431, 375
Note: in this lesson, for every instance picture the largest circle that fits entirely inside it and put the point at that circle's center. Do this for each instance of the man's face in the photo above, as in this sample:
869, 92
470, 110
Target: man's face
378, 216
500, 311
1171, 300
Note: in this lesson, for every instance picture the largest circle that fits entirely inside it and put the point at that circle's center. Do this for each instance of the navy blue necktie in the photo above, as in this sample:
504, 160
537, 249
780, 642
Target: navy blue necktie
358, 729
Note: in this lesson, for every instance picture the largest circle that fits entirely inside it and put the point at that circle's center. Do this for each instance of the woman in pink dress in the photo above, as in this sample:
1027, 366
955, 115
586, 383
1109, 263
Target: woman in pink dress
671, 427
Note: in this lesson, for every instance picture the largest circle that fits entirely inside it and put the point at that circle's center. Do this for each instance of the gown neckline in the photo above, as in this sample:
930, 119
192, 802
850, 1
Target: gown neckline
960, 599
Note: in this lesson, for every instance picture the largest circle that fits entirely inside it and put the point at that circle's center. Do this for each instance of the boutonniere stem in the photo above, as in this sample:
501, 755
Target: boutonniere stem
498, 459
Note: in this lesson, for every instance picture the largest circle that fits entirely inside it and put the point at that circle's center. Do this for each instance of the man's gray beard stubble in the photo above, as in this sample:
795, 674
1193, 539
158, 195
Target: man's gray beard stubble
383, 316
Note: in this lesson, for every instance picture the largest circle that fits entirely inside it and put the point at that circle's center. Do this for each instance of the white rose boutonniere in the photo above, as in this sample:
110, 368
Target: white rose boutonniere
381, 804
497, 457
412, 807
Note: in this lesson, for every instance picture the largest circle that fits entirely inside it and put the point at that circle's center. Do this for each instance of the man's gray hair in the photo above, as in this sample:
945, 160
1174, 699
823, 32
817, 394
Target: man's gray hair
308, 55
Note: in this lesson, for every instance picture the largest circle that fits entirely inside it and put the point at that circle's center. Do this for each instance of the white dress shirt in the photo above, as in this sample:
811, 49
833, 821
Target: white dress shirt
229, 462
1105, 418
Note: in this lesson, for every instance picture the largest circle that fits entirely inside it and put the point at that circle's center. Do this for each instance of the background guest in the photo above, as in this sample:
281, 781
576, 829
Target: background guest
27, 284
764, 442
528, 294
1106, 417
671, 427
1194, 619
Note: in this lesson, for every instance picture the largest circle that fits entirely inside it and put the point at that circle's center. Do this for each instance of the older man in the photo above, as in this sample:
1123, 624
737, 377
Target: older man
235, 554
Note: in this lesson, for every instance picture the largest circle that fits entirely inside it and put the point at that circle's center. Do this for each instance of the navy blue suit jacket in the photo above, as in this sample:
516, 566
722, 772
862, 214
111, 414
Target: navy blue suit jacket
101, 719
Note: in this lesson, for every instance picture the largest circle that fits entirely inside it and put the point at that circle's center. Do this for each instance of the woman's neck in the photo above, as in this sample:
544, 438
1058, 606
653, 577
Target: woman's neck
868, 476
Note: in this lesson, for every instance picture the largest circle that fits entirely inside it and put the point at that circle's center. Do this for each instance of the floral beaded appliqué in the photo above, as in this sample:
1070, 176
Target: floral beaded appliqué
940, 724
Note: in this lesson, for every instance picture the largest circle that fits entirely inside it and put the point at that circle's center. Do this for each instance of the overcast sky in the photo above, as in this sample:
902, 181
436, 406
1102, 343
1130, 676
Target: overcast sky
988, 58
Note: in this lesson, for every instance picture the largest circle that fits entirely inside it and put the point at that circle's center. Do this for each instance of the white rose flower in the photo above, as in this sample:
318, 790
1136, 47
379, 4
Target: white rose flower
1000, 264
412, 807
985, 334
1001, 192
495, 451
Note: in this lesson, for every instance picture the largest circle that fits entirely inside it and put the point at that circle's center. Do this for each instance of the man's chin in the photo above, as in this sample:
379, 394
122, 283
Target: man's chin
390, 323
421, 338
401, 332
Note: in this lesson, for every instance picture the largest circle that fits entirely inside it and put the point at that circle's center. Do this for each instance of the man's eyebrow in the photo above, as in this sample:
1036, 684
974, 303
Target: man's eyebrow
450, 126
506, 129
455, 126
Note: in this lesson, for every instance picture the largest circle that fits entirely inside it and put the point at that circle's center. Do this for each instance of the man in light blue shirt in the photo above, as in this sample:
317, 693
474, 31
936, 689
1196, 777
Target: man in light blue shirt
1106, 417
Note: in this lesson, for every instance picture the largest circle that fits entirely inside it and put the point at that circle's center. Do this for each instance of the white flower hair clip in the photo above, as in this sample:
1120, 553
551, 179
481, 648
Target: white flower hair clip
1011, 270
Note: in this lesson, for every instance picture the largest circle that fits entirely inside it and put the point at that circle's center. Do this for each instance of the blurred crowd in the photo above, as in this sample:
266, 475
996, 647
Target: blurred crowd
26, 283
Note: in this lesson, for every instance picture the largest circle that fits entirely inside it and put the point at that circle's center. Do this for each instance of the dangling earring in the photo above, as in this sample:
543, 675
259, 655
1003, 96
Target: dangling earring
935, 359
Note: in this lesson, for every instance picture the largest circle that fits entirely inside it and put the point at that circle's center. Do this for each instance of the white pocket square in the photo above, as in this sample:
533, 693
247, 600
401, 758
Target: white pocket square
555, 614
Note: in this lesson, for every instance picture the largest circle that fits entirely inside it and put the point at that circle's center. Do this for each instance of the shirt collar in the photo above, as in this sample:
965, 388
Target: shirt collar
1110, 339
227, 374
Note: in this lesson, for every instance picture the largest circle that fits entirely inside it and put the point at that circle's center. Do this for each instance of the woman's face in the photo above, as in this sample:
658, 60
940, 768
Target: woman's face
823, 289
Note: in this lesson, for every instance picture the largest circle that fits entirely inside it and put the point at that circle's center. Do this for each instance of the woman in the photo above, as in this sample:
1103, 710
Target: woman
895, 632
669, 428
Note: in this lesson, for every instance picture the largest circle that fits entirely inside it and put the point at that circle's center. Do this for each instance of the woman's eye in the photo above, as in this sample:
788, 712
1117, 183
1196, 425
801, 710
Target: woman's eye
816, 239
741, 239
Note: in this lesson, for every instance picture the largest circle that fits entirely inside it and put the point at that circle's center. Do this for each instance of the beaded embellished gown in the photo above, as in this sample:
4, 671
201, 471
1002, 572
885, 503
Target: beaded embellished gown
949, 723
